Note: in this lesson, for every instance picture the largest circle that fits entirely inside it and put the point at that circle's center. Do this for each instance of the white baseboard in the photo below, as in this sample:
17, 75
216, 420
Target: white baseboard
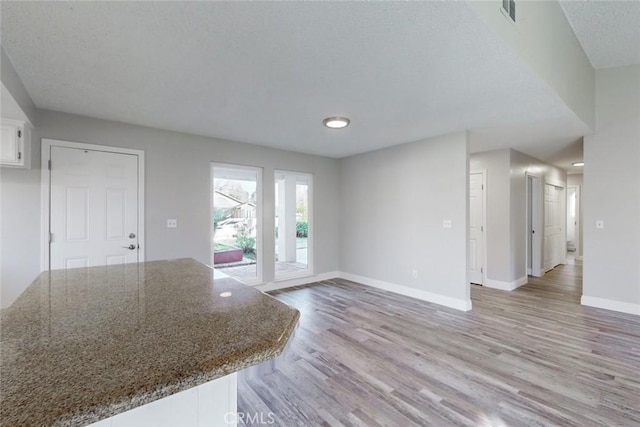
297, 281
459, 304
609, 304
505, 286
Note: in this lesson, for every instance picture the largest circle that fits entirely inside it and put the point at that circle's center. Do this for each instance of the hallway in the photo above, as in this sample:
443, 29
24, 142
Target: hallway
362, 356
564, 283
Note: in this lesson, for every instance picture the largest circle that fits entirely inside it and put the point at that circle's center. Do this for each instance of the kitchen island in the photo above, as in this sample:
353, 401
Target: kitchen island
83, 345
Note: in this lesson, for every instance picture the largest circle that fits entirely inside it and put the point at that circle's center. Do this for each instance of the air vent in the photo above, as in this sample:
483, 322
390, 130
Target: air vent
509, 6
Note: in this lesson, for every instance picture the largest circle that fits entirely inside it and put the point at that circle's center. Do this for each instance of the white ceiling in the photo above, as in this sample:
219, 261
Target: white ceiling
609, 31
556, 141
268, 72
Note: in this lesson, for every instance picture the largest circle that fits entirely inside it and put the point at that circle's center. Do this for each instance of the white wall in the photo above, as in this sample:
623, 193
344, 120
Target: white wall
19, 229
177, 179
19, 209
577, 180
392, 206
506, 237
12, 82
555, 54
612, 194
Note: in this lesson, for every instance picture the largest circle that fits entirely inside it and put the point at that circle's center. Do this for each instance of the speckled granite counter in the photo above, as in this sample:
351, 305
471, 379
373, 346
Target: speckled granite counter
84, 344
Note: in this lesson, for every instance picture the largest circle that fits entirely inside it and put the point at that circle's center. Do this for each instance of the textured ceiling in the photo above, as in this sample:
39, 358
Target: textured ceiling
609, 31
268, 72
556, 141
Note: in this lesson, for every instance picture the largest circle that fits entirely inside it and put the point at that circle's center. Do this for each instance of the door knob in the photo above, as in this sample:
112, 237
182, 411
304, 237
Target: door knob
132, 236
130, 247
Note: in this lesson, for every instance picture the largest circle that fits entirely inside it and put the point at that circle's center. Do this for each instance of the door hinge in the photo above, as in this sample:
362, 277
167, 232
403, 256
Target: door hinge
50, 237
19, 134
49, 164
482, 228
482, 186
481, 270
19, 155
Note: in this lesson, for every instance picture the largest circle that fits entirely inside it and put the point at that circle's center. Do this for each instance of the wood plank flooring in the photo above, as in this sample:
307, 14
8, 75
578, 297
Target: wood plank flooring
366, 357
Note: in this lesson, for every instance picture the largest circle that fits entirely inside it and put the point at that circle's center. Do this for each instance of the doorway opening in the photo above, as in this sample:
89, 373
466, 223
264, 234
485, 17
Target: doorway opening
573, 224
236, 221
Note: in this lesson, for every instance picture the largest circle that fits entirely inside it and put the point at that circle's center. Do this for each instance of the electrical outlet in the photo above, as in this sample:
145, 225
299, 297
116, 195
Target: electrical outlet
447, 223
172, 223
600, 224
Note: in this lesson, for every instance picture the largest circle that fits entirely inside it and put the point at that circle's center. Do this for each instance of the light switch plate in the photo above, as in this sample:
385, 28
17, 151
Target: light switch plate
172, 223
600, 224
447, 223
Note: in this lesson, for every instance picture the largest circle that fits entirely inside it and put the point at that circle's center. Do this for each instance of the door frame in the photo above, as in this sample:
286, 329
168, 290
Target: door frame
45, 193
483, 172
534, 211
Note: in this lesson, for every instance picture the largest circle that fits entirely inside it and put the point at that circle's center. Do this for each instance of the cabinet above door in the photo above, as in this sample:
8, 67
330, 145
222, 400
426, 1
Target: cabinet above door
15, 144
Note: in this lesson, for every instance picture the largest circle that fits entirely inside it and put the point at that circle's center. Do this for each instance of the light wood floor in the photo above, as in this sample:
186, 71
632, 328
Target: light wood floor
534, 356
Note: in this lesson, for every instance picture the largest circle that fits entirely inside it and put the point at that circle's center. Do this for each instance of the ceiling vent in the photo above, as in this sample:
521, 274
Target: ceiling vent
509, 7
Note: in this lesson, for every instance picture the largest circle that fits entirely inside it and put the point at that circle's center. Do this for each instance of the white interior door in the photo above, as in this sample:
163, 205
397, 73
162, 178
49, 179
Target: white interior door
572, 220
535, 226
93, 208
476, 227
553, 235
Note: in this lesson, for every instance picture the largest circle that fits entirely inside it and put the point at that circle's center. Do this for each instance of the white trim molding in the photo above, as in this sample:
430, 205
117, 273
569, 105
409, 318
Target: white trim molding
609, 304
506, 286
298, 281
458, 304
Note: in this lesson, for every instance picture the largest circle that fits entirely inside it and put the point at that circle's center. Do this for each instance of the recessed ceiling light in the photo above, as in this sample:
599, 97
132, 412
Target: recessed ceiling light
226, 294
336, 122
577, 163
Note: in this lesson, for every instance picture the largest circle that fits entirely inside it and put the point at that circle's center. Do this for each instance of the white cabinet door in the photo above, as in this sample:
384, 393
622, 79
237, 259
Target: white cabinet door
11, 147
94, 208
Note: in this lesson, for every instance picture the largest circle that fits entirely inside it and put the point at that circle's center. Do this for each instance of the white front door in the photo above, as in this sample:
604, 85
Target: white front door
552, 227
476, 227
93, 208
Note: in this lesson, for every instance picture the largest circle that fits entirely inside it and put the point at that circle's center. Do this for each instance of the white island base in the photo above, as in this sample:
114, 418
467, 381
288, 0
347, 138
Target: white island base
210, 404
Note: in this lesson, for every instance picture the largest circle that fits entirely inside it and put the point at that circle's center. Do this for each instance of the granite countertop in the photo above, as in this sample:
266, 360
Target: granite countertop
84, 344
